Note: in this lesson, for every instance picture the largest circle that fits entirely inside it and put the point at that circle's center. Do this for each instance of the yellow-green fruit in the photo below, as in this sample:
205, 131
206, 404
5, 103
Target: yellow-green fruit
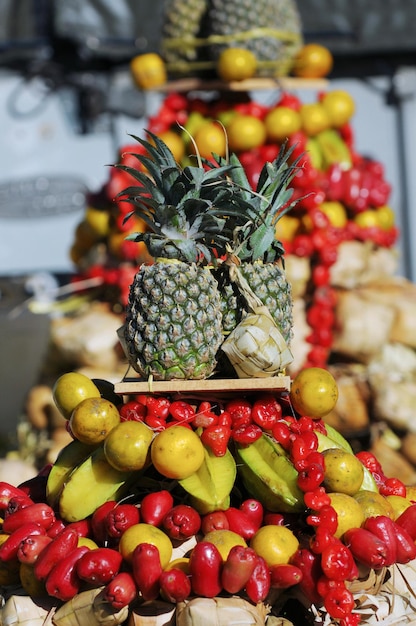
276, 544
127, 446
72, 388
343, 471
349, 512
145, 533
93, 419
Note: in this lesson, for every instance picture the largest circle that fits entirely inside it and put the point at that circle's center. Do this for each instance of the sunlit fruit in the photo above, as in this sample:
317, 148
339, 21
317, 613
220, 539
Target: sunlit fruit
399, 504
349, 512
70, 389
339, 105
335, 212
210, 138
385, 216
314, 392
276, 544
373, 503
367, 219
224, 540
236, 64
98, 220
314, 118
145, 533
93, 419
344, 472
245, 132
175, 143
127, 446
313, 61
87, 542
281, 122
177, 452
287, 227
148, 70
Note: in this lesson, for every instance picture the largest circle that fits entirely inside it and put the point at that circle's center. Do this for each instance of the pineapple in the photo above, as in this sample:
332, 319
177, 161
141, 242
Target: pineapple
182, 21
173, 326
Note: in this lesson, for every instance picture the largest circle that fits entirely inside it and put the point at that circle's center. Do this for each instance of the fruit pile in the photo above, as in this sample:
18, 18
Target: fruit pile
156, 498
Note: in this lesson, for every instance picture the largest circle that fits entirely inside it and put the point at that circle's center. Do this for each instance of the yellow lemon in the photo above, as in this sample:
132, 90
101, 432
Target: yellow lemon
373, 503
276, 544
224, 540
343, 471
70, 389
177, 452
127, 446
281, 122
314, 118
340, 106
245, 132
148, 70
349, 512
145, 533
314, 392
236, 64
93, 419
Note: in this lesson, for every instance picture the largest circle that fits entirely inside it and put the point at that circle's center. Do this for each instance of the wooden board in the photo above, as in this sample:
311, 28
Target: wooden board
222, 385
250, 84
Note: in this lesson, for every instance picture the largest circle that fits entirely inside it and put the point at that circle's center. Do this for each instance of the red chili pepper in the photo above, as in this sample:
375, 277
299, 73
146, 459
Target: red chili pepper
99, 521
310, 566
246, 434
216, 437
337, 562
9, 549
254, 509
39, 513
383, 527
339, 602
266, 411
99, 566
147, 569
258, 585
407, 520
154, 506
132, 411
366, 547
120, 518
63, 581
182, 522
30, 548
54, 552
175, 585
238, 568
393, 487
241, 523
121, 590
205, 564
217, 520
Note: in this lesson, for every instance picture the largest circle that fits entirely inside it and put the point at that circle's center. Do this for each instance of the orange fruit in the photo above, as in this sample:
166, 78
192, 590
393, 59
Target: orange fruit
335, 212
344, 473
148, 70
399, 504
314, 392
276, 544
210, 137
236, 64
314, 118
224, 540
373, 504
281, 122
349, 512
70, 389
313, 61
339, 105
177, 452
127, 446
93, 419
145, 533
175, 143
245, 132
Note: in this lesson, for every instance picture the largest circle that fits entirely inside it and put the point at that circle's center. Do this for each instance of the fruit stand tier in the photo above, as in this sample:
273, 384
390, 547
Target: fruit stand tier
222, 385
250, 84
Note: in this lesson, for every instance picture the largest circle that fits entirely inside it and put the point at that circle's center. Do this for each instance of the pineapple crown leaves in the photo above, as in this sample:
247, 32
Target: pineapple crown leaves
263, 207
184, 209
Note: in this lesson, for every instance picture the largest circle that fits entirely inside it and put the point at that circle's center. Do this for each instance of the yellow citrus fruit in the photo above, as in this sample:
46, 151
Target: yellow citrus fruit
339, 105
93, 419
281, 122
276, 544
344, 473
148, 70
85, 236
181, 563
175, 143
209, 138
30, 583
373, 504
287, 227
367, 219
145, 533
335, 212
177, 452
399, 504
245, 132
127, 446
98, 220
411, 493
224, 540
313, 61
87, 542
314, 392
385, 217
349, 512
314, 118
236, 64
70, 389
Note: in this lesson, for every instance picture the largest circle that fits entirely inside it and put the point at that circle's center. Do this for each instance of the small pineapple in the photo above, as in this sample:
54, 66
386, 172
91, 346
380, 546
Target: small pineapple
173, 326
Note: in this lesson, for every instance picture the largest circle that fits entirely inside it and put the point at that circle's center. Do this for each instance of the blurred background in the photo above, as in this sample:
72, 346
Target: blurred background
68, 102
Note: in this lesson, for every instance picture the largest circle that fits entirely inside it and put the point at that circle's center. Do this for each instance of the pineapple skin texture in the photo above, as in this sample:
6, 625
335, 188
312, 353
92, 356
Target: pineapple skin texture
173, 324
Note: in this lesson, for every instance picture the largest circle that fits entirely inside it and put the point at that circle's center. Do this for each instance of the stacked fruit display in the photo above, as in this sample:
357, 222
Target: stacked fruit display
253, 500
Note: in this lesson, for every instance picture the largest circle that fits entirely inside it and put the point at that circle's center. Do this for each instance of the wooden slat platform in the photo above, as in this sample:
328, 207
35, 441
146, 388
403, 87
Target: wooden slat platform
250, 84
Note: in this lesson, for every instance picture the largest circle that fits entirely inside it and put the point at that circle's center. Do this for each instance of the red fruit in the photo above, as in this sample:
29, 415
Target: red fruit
147, 569
9, 549
205, 564
38, 513
241, 523
285, 576
175, 585
366, 547
258, 585
99, 566
155, 506
54, 552
182, 522
120, 518
214, 521
121, 590
63, 581
30, 548
238, 568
